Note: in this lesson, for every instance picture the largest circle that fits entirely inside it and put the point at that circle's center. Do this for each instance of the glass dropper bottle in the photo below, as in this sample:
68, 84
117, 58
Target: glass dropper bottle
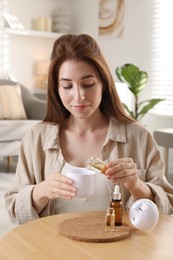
97, 164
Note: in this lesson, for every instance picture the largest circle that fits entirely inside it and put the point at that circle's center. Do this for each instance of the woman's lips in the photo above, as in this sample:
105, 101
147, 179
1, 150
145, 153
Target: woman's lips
80, 107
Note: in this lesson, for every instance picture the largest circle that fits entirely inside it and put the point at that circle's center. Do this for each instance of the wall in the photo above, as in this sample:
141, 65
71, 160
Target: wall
27, 51
133, 47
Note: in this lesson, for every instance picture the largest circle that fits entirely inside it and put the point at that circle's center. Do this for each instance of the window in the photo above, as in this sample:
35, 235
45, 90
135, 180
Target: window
162, 56
4, 43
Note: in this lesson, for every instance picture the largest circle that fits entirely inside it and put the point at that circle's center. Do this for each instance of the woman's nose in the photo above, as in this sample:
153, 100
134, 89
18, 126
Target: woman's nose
78, 94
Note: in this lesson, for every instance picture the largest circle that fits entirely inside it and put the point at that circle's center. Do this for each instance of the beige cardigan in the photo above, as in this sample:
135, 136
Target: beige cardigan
40, 155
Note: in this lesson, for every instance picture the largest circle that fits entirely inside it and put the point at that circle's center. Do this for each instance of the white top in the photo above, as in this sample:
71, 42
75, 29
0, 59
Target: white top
99, 201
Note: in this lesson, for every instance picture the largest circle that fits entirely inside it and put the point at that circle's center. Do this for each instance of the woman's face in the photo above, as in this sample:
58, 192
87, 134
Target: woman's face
80, 88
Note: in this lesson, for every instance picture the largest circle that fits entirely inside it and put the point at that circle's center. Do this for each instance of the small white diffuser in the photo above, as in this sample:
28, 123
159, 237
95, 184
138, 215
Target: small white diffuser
144, 214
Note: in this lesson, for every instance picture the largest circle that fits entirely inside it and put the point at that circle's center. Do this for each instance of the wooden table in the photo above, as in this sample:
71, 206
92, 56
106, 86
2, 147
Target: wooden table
39, 239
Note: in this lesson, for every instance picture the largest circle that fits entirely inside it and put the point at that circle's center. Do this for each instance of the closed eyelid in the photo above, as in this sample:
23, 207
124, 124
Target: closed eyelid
66, 86
65, 83
85, 85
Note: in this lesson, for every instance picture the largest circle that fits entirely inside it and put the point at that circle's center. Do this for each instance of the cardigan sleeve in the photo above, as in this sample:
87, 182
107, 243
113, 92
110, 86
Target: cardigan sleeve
154, 177
29, 172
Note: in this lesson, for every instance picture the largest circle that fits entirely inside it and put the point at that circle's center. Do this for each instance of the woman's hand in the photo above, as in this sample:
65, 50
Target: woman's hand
59, 186
123, 170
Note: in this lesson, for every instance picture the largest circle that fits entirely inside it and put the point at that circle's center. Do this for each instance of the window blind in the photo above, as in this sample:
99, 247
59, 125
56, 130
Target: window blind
4, 42
162, 57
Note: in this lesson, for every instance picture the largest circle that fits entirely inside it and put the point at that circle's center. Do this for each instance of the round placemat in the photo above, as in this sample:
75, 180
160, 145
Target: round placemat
92, 229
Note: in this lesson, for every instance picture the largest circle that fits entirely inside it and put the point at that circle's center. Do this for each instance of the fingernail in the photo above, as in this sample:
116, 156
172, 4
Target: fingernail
72, 194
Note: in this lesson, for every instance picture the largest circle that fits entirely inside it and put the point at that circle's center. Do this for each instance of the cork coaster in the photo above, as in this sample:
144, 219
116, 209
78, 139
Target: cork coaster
92, 229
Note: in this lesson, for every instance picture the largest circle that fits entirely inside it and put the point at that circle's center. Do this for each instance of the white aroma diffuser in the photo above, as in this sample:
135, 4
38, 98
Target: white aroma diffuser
144, 214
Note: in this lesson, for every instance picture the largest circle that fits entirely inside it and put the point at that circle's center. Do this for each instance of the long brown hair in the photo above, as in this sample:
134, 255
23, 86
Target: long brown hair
81, 47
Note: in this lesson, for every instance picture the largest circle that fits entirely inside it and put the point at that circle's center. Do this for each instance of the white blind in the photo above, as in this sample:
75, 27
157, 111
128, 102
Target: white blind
162, 56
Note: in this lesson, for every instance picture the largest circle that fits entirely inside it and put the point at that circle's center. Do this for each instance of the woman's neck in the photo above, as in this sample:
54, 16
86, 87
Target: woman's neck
86, 125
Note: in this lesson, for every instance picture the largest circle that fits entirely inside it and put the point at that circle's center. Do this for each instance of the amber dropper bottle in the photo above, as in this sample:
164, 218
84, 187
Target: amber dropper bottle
116, 204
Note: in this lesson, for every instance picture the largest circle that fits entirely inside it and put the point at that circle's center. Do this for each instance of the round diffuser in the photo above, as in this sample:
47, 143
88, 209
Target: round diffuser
144, 214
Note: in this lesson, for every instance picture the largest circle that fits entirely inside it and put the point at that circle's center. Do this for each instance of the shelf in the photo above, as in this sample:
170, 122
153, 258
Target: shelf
32, 33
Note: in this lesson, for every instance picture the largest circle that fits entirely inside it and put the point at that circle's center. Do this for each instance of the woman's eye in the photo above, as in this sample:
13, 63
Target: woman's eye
67, 87
88, 85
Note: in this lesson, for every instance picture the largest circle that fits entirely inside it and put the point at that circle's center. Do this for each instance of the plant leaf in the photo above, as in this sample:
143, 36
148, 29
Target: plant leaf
148, 100
133, 77
150, 105
131, 113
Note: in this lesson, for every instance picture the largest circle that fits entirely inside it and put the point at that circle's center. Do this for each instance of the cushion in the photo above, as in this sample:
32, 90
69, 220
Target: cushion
11, 105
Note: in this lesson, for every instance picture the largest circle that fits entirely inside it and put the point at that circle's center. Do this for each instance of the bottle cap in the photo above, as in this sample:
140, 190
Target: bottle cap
117, 194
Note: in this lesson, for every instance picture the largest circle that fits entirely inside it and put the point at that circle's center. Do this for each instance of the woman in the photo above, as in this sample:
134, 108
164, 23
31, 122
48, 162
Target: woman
84, 118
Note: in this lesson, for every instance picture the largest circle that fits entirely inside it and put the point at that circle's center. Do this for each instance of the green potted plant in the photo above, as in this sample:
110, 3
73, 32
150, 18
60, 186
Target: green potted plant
136, 80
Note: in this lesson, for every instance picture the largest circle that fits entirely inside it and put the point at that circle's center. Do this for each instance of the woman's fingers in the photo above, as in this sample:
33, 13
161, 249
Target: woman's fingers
60, 186
122, 169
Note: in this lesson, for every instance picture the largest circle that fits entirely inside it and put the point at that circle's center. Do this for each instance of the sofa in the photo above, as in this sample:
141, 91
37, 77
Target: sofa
19, 111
